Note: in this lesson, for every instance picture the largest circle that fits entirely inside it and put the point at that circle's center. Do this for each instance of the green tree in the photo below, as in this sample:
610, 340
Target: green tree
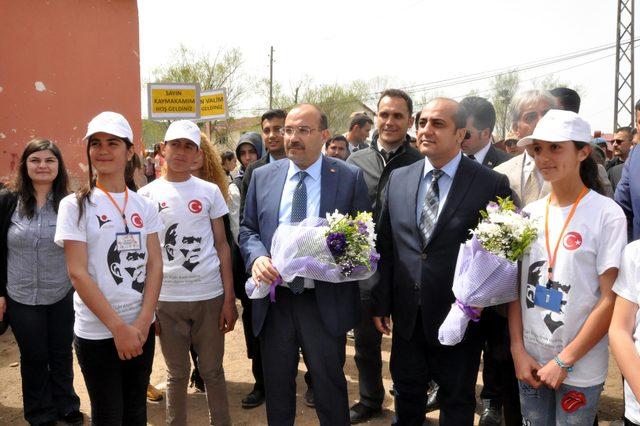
503, 89
224, 70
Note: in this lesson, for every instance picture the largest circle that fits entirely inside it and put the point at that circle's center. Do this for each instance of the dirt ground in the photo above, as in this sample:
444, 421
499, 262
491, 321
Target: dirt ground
239, 383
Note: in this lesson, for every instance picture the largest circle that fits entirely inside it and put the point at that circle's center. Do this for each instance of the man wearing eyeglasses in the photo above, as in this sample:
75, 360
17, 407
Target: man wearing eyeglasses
390, 149
308, 314
622, 143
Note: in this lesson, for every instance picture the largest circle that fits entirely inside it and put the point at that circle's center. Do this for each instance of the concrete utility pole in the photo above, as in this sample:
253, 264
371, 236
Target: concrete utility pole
623, 96
271, 79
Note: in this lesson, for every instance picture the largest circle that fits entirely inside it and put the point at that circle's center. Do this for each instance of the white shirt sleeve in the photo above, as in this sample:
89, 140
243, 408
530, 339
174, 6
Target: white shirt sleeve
153, 217
613, 232
628, 281
234, 210
219, 205
67, 225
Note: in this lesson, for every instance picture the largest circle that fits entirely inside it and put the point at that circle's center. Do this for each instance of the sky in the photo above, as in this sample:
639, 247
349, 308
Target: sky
407, 43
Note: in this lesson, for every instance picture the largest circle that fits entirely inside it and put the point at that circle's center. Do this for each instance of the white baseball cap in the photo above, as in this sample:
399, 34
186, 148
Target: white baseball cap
559, 126
183, 129
112, 123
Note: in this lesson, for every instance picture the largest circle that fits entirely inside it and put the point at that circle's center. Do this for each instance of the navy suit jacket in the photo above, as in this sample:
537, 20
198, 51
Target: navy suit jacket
413, 276
343, 188
628, 193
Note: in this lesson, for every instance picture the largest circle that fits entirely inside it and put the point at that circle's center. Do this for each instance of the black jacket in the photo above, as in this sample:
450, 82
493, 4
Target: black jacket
376, 170
413, 276
495, 157
8, 203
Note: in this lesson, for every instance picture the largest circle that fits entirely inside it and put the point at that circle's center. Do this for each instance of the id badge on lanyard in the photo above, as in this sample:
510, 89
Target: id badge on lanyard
131, 241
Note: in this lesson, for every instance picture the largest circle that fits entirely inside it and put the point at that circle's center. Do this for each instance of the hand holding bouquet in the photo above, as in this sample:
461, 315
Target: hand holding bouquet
336, 249
486, 271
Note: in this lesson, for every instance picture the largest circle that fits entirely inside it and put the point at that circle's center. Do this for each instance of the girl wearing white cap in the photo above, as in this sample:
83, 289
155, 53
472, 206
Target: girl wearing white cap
197, 301
109, 235
558, 327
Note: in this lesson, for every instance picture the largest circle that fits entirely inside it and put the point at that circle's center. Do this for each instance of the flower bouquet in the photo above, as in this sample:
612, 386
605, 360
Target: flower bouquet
486, 271
335, 249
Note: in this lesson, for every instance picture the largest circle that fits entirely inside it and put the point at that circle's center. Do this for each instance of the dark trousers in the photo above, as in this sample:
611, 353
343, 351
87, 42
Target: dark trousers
44, 334
253, 345
368, 358
117, 389
455, 368
498, 373
294, 322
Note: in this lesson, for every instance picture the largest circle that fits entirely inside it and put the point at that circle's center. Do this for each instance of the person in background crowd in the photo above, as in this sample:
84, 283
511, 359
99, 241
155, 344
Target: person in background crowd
567, 99
623, 332
427, 212
390, 149
248, 150
110, 239
599, 151
134, 173
477, 145
229, 164
622, 143
158, 159
359, 129
497, 368
34, 290
309, 314
149, 167
559, 324
511, 144
337, 147
615, 172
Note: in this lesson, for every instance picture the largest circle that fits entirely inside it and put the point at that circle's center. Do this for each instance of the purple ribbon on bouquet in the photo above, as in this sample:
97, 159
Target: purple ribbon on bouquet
473, 314
272, 289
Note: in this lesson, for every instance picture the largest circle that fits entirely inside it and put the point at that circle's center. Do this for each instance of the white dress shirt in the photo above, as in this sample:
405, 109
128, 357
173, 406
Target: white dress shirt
479, 156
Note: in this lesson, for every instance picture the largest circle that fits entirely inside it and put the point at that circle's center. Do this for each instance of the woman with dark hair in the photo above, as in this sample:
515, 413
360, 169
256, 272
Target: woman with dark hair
559, 326
34, 290
110, 238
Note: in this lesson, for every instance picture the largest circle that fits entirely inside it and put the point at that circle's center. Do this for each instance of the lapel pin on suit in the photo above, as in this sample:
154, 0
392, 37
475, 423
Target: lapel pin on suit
489, 163
332, 170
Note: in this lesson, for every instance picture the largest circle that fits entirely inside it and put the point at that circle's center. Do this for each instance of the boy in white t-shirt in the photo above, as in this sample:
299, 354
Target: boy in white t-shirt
624, 333
197, 287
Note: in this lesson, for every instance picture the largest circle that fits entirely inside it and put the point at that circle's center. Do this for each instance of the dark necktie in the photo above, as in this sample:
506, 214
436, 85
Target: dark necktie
429, 214
388, 155
472, 157
298, 214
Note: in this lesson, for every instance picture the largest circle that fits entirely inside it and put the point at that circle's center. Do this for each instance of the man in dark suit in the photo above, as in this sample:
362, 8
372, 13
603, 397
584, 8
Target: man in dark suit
359, 129
313, 315
477, 144
428, 210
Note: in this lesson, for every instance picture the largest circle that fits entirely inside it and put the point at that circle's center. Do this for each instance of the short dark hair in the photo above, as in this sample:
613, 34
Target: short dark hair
336, 138
360, 120
637, 105
227, 156
397, 93
481, 111
627, 130
273, 113
416, 121
568, 99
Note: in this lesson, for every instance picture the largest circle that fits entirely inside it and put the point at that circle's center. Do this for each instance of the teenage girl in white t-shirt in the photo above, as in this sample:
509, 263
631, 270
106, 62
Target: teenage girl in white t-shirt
112, 250
558, 327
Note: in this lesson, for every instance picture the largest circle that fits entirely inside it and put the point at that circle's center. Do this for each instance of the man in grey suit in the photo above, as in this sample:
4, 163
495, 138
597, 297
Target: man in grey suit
307, 314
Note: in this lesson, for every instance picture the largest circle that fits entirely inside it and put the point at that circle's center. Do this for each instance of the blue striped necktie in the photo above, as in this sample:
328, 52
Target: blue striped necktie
429, 214
298, 214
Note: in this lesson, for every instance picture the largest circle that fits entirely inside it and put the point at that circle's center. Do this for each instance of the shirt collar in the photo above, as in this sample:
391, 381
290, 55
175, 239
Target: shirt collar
449, 169
272, 159
480, 155
313, 171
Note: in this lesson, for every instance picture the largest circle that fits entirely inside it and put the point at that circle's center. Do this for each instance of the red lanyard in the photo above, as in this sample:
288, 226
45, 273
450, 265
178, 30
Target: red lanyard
552, 259
126, 198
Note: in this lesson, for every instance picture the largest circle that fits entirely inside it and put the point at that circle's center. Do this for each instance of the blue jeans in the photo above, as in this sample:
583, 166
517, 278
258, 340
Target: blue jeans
568, 405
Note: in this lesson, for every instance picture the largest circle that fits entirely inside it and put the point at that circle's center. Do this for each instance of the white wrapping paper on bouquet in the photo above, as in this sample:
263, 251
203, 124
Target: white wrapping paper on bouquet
481, 279
301, 250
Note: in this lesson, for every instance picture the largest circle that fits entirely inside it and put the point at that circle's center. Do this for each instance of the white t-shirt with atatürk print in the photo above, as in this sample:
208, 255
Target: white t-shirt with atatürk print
592, 243
191, 265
